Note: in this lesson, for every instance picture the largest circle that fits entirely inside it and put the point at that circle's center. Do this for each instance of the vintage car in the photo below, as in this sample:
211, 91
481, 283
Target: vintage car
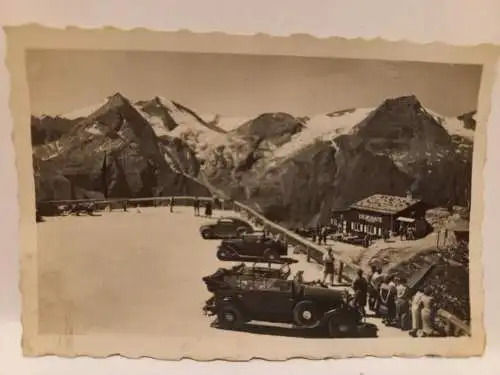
353, 239
83, 208
225, 227
223, 276
240, 298
256, 245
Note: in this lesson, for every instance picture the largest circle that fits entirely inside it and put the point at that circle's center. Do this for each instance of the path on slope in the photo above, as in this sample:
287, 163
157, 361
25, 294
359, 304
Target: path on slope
140, 274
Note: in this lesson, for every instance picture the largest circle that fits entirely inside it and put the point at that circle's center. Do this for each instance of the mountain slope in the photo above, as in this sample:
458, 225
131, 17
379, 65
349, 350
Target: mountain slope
247, 148
396, 147
135, 159
292, 169
171, 119
46, 129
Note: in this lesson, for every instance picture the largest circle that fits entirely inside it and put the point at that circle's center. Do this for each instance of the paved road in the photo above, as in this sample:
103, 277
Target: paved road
140, 273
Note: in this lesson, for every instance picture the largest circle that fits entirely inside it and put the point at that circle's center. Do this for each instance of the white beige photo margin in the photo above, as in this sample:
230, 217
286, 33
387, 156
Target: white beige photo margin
130, 283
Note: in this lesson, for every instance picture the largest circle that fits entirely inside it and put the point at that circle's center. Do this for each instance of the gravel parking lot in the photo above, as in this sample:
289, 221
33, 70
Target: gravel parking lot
140, 274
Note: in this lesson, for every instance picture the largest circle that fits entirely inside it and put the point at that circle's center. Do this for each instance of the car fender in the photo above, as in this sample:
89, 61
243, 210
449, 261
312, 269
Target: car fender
233, 300
338, 311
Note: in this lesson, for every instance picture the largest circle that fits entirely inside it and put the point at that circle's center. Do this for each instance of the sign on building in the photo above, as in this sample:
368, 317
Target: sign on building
370, 218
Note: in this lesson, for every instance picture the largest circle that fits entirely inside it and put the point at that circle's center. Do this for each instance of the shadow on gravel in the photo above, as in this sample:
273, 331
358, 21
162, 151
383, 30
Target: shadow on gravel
367, 330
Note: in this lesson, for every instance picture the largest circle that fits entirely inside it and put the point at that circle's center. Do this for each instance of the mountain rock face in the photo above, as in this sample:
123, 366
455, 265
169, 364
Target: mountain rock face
118, 139
247, 149
46, 129
293, 169
398, 147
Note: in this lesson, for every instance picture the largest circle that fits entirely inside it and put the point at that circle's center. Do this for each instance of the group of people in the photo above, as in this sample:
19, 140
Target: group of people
208, 205
388, 297
320, 234
407, 233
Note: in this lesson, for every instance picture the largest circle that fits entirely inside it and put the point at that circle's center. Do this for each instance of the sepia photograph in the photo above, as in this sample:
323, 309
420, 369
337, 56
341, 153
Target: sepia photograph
272, 206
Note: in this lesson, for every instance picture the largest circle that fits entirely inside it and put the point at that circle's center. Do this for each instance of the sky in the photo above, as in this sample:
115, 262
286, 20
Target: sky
61, 81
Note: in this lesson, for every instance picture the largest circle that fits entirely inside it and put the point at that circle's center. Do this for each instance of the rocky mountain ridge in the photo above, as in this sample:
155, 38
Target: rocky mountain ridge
293, 169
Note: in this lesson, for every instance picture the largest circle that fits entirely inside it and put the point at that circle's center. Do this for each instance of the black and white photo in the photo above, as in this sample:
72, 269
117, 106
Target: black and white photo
235, 205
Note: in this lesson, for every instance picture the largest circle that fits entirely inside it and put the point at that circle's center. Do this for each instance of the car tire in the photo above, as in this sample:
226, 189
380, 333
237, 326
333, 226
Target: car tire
305, 314
223, 254
339, 327
206, 234
230, 317
270, 254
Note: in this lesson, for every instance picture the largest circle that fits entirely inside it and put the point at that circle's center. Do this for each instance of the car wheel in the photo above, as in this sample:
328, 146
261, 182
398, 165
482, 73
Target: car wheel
339, 327
271, 255
223, 254
206, 234
230, 317
306, 314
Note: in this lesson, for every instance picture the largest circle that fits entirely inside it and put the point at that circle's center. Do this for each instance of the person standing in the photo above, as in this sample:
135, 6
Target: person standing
416, 316
427, 313
401, 304
217, 204
376, 281
391, 301
366, 240
386, 235
324, 233
318, 233
372, 292
360, 287
313, 234
172, 204
208, 209
328, 266
196, 205
383, 299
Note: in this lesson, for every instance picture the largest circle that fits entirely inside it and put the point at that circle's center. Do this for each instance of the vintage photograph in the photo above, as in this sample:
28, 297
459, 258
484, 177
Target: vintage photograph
277, 206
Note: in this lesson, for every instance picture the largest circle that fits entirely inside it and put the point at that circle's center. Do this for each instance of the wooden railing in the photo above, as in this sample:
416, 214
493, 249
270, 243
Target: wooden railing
125, 203
314, 252
346, 270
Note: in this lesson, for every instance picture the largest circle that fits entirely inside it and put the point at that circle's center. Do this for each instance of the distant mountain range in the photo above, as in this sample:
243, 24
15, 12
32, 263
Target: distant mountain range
292, 169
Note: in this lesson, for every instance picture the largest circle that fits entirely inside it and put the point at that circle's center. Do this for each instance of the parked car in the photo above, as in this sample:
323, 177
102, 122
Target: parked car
225, 227
254, 245
238, 299
222, 277
353, 239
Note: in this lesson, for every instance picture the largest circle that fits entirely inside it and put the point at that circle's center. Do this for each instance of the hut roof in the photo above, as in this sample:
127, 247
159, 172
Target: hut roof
386, 204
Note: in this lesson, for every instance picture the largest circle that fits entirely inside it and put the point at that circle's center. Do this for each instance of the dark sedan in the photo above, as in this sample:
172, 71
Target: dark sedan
226, 227
252, 246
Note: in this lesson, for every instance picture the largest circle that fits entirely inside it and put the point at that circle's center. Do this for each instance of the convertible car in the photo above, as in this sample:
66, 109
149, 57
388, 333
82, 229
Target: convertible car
224, 277
255, 245
226, 227
239, 298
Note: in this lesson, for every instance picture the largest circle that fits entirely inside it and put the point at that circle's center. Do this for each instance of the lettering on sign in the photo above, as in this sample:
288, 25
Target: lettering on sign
370, 219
